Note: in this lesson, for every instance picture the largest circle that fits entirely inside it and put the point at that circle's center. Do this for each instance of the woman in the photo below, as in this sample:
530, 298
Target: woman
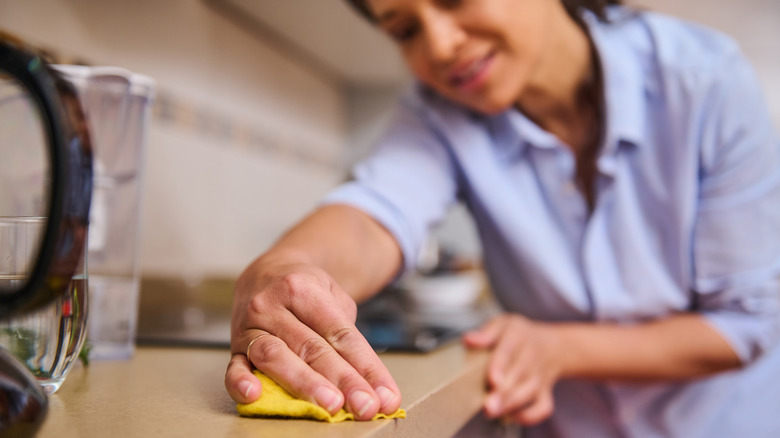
623, 175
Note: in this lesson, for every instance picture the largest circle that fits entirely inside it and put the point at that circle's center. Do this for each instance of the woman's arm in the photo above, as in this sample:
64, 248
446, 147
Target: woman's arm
530, 357
294, 315
360, 255
678, 347
296, 303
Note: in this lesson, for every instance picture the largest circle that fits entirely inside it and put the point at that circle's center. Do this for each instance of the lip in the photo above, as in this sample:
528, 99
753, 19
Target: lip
471, 75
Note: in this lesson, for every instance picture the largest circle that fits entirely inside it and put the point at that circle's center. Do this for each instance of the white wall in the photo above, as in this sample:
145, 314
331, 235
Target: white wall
211, 202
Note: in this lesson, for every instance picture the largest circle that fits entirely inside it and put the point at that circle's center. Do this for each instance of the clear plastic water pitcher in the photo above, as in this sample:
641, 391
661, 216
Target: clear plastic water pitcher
117, 105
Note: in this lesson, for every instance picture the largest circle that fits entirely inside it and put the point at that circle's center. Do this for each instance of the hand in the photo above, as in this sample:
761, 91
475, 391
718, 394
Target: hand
301, 326
525, 364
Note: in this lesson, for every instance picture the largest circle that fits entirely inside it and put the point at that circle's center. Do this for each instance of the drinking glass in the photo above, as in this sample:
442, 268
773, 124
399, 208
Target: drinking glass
47, 340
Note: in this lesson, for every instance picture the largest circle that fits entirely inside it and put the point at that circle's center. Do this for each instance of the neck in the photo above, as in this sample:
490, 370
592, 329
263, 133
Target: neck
555, 97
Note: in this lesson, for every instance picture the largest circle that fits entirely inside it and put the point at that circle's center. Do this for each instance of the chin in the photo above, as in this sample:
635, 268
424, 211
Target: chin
488, 104
492, 110
488, 108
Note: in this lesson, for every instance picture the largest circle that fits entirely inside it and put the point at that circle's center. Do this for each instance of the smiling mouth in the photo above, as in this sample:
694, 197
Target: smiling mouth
472, 74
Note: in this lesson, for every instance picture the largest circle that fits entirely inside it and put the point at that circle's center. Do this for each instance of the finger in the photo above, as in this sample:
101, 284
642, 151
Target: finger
513, 365
384, 385
345, 302
240, 383
506, 351
541, 409
326, 319
363, 399
513, 391
272, 356
522, 395
487, 335
501, 398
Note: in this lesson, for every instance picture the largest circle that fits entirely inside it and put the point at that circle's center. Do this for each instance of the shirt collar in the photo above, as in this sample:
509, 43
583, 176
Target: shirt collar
625, 91
513, 133
624, 76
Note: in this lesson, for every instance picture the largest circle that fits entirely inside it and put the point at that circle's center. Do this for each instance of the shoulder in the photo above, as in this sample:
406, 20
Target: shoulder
686, 71
684, 46
671, 47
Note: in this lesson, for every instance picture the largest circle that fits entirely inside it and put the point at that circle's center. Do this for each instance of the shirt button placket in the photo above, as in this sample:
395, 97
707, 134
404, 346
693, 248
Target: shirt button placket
573, 207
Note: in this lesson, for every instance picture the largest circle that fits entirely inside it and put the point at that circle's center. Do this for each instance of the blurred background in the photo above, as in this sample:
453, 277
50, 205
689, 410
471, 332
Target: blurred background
262, 106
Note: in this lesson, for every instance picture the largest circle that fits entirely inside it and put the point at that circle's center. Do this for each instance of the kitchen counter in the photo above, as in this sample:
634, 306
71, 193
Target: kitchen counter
179, 392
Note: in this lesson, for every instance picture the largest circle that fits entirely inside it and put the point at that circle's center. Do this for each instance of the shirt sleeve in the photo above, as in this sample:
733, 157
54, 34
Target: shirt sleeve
737, 231
407, 183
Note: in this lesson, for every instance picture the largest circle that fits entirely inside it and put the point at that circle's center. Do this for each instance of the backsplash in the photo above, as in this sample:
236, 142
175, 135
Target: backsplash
242, 142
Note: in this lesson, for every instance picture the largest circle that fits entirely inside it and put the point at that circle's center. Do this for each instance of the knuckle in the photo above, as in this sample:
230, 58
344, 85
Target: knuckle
258, 305
297, 287
371, 374
313, 349
341, 336
293, 281
349, 380
268, 350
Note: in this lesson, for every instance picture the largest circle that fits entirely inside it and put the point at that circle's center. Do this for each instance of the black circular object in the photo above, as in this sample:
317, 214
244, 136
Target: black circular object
70, 161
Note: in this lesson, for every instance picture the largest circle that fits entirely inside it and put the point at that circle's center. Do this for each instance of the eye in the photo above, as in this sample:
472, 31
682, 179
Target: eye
404, 32
450, 4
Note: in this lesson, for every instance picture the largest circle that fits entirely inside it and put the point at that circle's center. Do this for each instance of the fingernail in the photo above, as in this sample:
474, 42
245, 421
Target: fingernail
327, 398
493, 405
385, 395
245, 387
360, 401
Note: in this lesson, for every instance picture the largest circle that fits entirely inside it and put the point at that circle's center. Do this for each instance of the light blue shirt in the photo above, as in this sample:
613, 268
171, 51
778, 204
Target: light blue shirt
687, 218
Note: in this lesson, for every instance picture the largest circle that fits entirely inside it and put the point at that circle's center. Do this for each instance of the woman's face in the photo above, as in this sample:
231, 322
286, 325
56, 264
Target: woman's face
479, 53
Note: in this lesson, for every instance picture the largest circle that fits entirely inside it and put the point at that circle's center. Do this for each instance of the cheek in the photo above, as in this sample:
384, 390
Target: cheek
419, 66
498, 96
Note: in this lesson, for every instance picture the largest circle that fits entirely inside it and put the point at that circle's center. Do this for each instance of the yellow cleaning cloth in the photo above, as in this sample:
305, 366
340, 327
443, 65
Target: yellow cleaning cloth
276, 402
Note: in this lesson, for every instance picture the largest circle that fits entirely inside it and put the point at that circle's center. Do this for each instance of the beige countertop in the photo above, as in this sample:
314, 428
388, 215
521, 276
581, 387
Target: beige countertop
179, 392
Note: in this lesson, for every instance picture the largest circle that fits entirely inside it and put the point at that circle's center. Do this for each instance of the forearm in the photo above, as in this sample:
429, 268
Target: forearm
678, 347
350, 246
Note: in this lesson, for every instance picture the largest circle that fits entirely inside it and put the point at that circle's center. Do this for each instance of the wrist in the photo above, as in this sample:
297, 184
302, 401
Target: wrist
567, 349
284, 256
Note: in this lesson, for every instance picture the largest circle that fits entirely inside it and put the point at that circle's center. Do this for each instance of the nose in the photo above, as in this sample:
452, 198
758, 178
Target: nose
443, 37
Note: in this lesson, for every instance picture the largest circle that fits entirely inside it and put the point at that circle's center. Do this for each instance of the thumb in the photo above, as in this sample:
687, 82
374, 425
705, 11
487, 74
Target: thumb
240, 383
486, 336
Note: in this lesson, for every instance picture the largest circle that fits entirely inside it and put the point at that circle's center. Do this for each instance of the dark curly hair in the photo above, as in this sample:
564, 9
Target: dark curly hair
573, 7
